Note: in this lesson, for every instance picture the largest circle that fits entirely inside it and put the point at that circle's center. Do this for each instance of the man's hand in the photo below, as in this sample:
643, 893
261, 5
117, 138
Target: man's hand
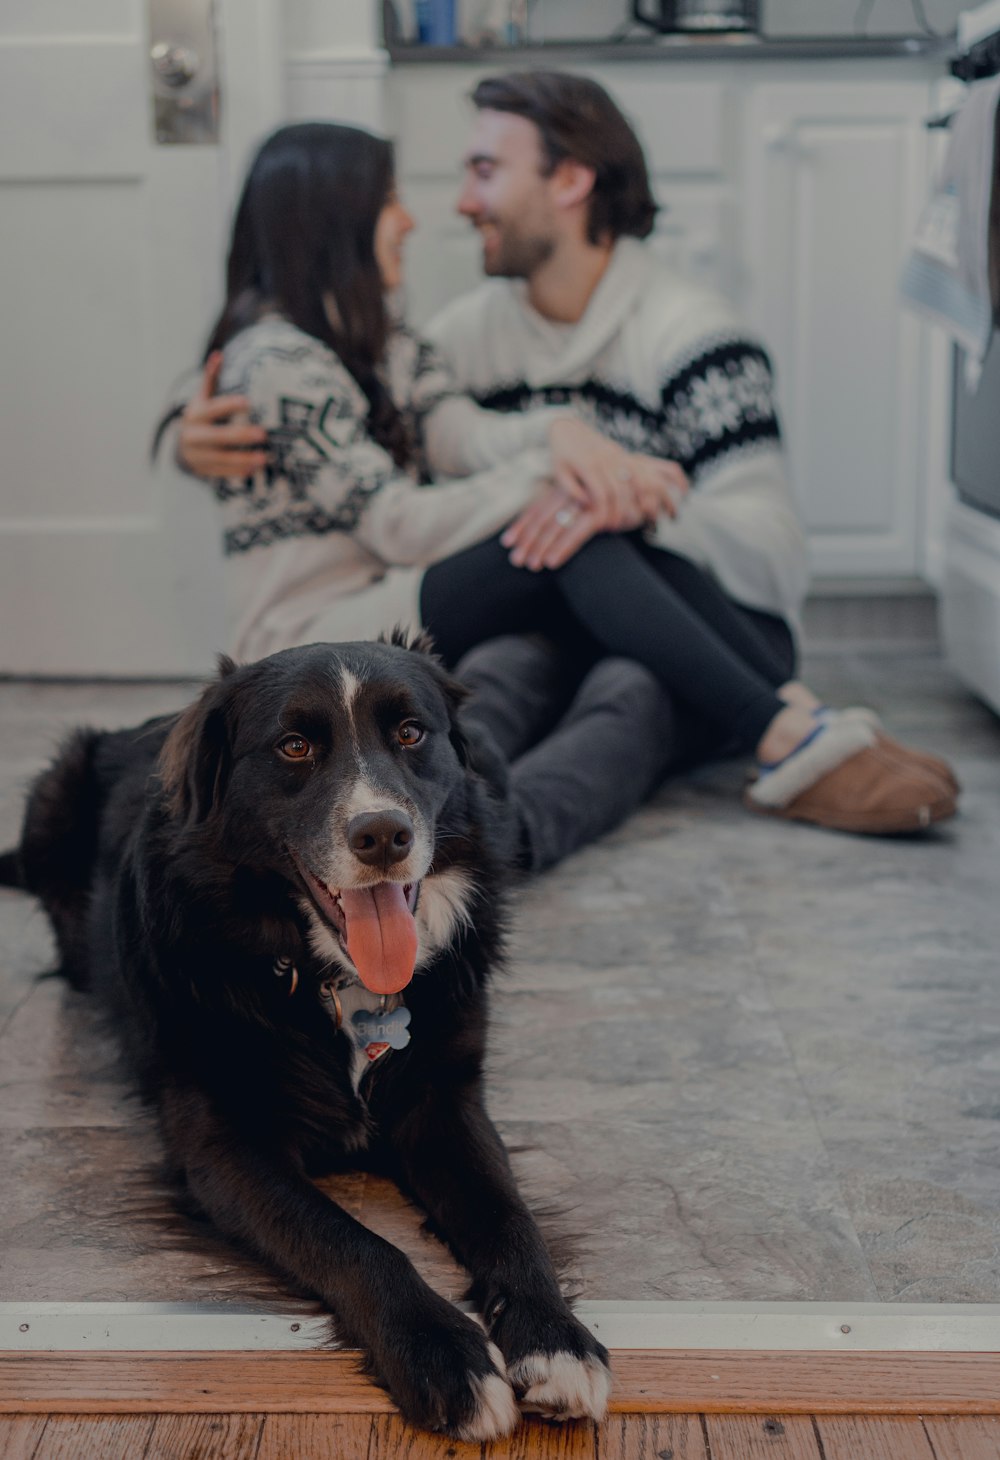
209, 442
619, 485
550, 530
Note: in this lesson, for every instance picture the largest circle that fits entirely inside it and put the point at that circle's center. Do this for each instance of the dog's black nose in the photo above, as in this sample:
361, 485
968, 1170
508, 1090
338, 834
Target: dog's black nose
380, 838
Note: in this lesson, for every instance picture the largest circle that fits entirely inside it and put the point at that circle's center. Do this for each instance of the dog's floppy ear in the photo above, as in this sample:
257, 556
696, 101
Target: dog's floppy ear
479, 752
195, 759
475, 747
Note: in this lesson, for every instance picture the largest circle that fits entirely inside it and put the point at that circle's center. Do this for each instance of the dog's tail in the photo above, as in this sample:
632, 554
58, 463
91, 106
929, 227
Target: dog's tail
58, 850
11, 871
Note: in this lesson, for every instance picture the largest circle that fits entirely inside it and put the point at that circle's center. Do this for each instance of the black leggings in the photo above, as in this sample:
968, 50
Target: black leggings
631, 599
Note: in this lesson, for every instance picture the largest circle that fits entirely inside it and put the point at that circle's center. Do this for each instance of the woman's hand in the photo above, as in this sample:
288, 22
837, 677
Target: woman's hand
618, 484
209, 443
550, 530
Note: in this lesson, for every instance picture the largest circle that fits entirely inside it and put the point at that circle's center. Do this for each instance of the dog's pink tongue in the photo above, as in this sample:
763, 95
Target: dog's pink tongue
381, 936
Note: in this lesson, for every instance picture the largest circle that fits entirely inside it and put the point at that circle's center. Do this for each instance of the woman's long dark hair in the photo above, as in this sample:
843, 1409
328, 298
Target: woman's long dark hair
304, 238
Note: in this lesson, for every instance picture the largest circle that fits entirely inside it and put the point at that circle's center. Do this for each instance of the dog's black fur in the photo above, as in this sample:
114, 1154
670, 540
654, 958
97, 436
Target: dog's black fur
170, 860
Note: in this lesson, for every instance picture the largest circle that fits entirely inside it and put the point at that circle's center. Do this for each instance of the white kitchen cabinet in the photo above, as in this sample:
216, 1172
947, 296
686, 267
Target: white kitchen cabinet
833, 179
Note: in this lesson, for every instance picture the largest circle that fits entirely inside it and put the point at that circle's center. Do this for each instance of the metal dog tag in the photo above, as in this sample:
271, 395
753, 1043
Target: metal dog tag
377, 1033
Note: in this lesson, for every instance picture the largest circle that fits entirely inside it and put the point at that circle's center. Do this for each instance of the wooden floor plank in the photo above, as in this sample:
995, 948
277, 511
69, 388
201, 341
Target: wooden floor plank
19, 1435
855, 1382
652, 1437
185, 1383
537, 1439
756, 1436
204, 1437
316, 1436
876, 1437
681, 1382
973, 1437
385, 1437
392, 1438
95, 1437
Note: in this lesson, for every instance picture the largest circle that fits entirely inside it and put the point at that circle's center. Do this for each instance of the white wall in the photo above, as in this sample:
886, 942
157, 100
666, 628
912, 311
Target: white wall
328, 25
335, 66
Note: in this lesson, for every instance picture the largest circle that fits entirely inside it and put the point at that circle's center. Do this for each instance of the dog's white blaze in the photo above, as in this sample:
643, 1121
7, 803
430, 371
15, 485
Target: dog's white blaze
350, 685
364, 799
496, 1410
562, 1386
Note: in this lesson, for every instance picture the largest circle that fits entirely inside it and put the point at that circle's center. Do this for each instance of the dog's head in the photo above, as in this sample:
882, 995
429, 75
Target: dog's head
333, 766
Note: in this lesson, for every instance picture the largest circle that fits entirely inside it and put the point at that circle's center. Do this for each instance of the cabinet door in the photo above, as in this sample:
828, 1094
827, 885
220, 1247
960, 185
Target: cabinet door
835, 177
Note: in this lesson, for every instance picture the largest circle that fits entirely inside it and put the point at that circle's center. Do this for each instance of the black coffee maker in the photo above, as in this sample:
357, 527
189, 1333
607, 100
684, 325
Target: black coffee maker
698, 17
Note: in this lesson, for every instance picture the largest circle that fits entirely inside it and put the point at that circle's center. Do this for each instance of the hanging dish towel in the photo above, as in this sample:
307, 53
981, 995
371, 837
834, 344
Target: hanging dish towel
947, 276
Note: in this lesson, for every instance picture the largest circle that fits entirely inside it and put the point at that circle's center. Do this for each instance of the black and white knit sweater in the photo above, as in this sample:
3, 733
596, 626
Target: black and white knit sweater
663, 367
329, 541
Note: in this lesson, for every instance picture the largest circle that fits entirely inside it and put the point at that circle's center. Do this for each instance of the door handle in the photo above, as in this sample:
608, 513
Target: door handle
174, 65
184, 69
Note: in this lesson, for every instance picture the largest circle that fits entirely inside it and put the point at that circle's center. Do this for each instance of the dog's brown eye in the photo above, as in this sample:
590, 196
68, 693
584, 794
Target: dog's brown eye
293, 747
410, 733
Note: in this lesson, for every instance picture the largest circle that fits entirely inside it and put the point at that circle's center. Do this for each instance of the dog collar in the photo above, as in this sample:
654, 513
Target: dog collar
374, 1030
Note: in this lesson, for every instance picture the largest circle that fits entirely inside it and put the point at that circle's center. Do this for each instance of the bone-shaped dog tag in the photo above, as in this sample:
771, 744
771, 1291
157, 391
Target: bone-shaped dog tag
377, 1033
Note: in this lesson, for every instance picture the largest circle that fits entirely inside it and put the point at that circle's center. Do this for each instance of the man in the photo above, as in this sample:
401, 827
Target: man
578, 312
556, 185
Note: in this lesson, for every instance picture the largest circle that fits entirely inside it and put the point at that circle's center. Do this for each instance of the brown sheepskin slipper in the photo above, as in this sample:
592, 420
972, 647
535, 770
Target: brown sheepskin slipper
846, 780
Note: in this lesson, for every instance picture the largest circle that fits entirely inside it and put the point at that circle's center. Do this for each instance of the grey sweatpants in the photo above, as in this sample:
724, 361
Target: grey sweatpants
585, 745
583, 753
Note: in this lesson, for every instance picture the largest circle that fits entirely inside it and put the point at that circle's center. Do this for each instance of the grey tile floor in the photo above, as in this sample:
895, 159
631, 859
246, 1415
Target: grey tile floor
747, 1061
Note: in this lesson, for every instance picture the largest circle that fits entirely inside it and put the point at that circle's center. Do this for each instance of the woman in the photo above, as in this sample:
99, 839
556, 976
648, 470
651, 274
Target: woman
353, 405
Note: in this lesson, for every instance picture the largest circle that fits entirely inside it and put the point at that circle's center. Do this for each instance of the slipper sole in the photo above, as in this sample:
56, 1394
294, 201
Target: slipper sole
884, 823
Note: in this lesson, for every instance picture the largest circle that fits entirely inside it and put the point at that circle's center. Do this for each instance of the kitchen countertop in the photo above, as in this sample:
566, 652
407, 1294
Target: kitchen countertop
689, 48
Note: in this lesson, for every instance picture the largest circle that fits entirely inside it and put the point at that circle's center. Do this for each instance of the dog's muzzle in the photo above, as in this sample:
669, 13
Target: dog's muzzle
373, 922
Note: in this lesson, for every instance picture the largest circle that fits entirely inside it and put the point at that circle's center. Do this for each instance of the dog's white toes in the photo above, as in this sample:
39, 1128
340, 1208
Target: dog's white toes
561, 1386
496, 1410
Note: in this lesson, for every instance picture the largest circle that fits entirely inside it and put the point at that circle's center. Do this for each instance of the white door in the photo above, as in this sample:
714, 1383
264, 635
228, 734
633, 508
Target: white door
111, 259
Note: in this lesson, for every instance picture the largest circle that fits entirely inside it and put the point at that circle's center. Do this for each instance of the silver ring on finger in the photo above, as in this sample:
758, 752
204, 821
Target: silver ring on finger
565, 516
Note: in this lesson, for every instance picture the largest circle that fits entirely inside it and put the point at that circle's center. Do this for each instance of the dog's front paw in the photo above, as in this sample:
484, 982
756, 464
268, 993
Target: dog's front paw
557, 1367
562, 1386
445, 1375
495, 1410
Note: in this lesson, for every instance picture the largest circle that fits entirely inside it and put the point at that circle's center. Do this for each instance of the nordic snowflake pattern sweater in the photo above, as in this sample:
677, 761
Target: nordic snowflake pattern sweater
662, 366
328, 542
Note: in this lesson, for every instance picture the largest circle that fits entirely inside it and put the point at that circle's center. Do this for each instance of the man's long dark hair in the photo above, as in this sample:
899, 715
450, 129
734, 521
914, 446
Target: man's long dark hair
303, 240
576, 118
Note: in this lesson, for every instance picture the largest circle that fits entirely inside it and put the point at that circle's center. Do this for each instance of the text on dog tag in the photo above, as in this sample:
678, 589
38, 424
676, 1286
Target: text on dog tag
390, 1030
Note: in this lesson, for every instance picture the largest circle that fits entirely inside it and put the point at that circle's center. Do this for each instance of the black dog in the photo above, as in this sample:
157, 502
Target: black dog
251, 888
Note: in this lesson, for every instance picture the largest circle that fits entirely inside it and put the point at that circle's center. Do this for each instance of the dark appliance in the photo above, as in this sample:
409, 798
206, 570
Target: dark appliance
698, 17
975, 434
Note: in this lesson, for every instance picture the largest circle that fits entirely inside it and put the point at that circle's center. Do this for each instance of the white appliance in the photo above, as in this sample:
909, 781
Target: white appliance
970, 594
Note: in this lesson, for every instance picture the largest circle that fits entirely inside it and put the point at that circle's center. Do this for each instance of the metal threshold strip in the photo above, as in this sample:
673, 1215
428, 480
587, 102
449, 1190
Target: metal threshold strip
776, 1327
